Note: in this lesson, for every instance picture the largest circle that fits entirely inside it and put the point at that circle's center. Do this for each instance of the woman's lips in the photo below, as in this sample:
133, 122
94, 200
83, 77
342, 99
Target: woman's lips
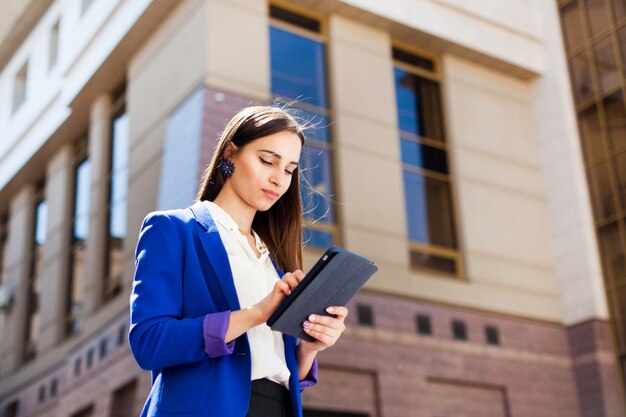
271, 194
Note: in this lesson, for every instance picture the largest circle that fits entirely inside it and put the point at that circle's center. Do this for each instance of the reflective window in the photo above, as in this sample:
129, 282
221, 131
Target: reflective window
118, 197
602, 199
298, 76
19, 87
581, 77
34, 283
598, 17
572, 25
591, 133
427, 187
76, 288
606, 64
54, 45
615, 111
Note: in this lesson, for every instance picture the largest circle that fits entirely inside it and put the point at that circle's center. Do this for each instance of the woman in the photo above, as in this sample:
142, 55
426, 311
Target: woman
208, 277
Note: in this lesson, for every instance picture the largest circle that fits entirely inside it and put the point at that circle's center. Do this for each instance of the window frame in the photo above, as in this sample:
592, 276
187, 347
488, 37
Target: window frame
322, 37
457, 255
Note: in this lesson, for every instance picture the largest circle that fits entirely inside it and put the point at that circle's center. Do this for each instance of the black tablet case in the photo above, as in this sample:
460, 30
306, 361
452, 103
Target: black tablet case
333, 281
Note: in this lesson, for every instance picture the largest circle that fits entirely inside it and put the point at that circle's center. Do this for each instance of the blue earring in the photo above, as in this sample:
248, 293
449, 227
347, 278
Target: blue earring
227, 167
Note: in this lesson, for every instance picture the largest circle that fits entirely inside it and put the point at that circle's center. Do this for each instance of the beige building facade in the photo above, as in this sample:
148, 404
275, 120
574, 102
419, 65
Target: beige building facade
446, 142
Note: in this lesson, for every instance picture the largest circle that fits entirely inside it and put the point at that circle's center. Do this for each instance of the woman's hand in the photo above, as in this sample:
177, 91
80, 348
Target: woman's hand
325, 329
282, 289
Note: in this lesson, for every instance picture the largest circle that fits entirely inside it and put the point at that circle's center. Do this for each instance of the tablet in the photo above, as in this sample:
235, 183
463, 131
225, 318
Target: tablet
334, 279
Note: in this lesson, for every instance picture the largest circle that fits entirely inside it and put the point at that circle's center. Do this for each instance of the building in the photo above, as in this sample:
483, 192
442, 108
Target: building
446, 137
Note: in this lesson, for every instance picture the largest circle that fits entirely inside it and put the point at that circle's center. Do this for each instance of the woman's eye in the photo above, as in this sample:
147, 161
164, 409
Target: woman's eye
266, 162
289, 172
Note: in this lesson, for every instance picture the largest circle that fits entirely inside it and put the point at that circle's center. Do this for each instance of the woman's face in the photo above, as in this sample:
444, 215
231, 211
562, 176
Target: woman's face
264, 168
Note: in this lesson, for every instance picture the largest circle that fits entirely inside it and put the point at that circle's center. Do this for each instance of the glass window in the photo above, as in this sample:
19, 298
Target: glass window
298, 72
620, 164
613, 254
572, 25
619, 9
615, 112
597, 16
591, 133
4, 239
298, 67
621, 41
34, 284
120, 148
54, 45
427, 188
76, 287
123, 403
606, 64
19, 87
419, 109
602, 199
581, 77
618, 301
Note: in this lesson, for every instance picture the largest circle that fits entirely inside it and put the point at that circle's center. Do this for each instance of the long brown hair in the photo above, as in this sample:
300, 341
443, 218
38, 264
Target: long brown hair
280, 227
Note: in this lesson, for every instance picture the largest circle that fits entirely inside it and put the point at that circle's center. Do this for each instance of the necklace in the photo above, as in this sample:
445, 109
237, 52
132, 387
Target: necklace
258, 243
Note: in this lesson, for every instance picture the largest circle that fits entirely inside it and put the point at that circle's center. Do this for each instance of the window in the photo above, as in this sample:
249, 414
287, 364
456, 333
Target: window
54, 45
77, 366
365, 315
84, 5
34, 282
123, 403
19, 87
121, 335
80, 232
424, 152
118, 196
491, 335
423, 324
54, 388
12, 409
41, 397
459, 330
89, 361
103, 348
298, 72
84, 412
4, 247
4, 226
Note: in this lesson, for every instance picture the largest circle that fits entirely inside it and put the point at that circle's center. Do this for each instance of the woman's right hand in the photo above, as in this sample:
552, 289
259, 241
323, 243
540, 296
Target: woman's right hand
281, 289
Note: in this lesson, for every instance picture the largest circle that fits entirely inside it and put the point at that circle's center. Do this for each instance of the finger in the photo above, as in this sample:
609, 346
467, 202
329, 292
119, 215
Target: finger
298, 274
283, 287
339, 311
331, 322
290, 280
325, 338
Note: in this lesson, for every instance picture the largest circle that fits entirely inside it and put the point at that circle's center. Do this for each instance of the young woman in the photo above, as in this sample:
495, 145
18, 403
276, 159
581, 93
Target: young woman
209, 276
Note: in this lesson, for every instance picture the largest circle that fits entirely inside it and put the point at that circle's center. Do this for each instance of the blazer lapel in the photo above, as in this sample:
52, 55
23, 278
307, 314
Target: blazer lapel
216, 254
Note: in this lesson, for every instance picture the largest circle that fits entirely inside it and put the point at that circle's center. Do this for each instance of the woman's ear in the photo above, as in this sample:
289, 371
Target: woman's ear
230, 151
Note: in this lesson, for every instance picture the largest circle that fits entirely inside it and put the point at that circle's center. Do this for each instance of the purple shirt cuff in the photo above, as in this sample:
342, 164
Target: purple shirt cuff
214, 327
311, 378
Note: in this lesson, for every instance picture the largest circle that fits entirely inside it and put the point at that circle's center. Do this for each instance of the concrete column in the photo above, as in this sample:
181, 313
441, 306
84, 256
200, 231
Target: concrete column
100, 156
246, 72
578, 265
56, 251
21, 229
366, 143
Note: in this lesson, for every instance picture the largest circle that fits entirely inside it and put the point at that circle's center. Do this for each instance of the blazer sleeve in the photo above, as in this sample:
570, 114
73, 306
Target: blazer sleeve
159, 337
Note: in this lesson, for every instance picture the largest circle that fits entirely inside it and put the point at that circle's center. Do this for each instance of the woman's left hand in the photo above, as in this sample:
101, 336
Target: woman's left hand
325, 329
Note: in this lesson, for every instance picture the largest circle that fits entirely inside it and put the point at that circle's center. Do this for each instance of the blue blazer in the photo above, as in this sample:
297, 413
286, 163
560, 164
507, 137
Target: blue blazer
182, 274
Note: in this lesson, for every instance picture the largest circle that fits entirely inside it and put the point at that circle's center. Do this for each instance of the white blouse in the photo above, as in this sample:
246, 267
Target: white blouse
254, 280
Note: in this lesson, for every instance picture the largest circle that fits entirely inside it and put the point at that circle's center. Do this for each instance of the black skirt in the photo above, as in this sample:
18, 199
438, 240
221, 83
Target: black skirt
269, 399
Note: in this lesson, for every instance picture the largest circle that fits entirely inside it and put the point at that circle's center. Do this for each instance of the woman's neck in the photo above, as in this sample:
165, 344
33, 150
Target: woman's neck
236, 208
